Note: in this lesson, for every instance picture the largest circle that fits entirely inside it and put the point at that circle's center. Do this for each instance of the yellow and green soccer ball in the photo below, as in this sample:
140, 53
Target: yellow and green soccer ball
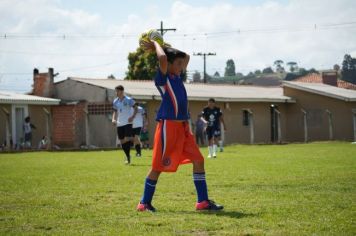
150, 35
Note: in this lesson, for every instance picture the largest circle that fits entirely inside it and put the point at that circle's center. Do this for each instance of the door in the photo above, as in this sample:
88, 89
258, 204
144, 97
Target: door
19, 113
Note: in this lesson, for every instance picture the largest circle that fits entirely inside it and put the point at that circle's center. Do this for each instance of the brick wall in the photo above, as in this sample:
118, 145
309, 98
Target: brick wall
43, 83
68, 125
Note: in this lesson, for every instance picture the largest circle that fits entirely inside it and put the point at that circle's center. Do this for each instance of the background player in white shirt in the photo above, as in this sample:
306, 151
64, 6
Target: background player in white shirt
137, 125
122, 117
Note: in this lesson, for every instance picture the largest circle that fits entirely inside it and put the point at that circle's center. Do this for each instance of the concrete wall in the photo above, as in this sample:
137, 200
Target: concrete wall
102, 132
236, 131
77, 91
317, 118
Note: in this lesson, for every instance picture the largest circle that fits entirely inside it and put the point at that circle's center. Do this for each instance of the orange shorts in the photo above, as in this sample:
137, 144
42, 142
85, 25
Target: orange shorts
174, 144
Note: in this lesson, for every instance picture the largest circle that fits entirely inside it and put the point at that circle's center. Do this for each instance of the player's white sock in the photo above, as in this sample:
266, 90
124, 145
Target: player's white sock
221, 145
214, 149
210, 148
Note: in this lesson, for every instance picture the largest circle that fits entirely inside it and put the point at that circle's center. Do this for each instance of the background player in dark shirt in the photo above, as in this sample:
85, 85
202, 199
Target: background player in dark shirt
212, 116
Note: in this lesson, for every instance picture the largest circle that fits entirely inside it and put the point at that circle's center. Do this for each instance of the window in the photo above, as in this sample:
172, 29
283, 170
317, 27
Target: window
245, 118
99, 108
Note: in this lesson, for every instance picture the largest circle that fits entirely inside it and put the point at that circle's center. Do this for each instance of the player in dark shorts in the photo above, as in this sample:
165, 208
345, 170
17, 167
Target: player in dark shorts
212, 116
122, 117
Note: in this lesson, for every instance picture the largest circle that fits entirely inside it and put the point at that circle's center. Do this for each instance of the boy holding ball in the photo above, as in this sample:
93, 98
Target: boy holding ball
174, 142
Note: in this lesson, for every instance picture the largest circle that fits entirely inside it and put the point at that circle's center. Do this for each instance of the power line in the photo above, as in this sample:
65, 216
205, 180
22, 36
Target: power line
287, 29
64, 70
59, 53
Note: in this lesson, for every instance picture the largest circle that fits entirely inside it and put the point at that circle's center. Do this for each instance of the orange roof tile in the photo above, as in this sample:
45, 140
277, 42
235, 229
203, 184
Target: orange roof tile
316, 78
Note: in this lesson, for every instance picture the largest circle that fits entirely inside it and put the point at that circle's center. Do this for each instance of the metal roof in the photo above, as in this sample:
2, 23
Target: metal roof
17, 98
196, 92
324, 89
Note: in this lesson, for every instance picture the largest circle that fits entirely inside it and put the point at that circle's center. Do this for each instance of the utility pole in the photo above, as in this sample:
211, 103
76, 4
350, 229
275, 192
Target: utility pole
204, 57
163, 30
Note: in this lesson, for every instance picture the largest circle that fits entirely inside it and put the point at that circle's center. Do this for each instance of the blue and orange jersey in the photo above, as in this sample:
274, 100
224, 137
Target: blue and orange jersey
174, 105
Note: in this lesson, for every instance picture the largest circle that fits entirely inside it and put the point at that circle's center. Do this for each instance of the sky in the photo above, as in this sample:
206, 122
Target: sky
92, 38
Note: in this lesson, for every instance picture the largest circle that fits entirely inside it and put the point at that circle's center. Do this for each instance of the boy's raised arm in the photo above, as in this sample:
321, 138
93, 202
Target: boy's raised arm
162, 58
186, 61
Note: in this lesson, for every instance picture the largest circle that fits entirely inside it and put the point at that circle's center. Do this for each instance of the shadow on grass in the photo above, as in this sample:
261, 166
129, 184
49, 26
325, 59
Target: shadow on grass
135, 164
224, 213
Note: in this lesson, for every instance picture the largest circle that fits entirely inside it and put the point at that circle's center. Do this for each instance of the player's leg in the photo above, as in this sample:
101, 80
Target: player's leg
191, 151
203, 201
137, 141
124, 133
221, 138
125, 144
199, 181
201, 137
214, 146
121, 137
216, 140
152, 177
209, 133
145, 203
150, 186
221, 144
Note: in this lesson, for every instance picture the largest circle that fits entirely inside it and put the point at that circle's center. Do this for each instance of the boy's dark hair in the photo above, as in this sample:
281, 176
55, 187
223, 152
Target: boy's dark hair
173, 54
119, 87
27, 119
212, 100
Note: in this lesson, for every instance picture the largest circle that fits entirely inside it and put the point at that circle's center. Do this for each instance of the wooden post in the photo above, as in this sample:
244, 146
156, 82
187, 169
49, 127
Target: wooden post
7, 127
279, 131
354, 121
252, 126
305, 125
330, 119
87, 131
48, 130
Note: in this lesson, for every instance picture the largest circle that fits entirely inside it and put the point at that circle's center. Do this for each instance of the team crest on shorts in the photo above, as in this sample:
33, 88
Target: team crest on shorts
166, 161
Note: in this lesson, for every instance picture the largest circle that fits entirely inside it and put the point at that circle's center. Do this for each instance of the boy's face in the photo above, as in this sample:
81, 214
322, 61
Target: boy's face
119, 92
211, 104
176, 67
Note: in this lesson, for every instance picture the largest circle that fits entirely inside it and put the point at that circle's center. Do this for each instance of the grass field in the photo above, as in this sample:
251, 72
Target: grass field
296, 189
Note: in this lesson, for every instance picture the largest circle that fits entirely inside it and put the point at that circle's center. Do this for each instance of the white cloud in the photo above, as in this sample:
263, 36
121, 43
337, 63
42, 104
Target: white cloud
250, 50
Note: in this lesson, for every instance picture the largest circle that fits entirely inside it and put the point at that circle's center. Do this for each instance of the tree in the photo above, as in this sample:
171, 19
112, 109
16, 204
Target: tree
349, 69
336, 67
301, 72
111, 76
279, 66
142, 65
230, 68
258, 72
293, 66
267, 70
217, 74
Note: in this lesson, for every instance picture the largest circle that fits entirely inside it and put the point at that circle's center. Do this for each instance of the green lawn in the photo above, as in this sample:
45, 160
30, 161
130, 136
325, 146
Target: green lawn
297, 189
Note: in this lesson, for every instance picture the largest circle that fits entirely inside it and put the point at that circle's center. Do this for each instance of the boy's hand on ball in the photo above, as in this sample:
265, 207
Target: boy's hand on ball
148, 46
